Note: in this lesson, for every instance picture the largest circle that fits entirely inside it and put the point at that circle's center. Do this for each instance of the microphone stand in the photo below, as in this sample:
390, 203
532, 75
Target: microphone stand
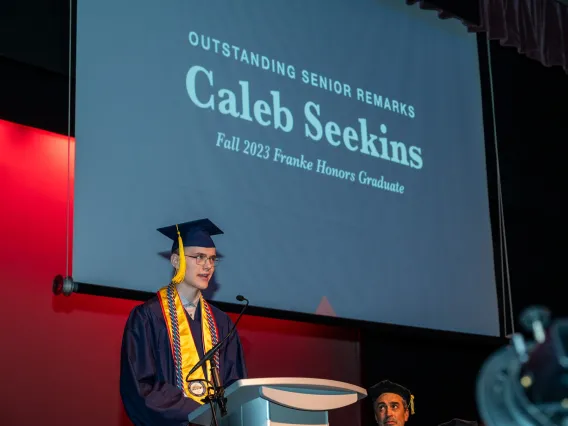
212, 399
218, 395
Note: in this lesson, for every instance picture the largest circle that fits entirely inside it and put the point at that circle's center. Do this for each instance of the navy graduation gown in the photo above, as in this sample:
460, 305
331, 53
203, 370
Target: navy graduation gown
147, 374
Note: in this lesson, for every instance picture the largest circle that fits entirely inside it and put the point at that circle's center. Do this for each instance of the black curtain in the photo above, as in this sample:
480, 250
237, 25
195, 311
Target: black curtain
536, 28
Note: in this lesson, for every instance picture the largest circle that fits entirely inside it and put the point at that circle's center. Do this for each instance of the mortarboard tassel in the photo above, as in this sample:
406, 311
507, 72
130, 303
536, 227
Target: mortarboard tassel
180, 274
411, 404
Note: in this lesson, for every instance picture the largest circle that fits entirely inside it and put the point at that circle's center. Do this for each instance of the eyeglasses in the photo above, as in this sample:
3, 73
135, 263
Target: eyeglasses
201, 259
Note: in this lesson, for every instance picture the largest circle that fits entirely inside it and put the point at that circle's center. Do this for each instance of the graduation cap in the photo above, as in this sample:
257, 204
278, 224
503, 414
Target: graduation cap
386, 386
196, 233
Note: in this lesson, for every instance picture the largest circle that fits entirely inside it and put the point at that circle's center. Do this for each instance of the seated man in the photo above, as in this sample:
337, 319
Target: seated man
392, 403
166, 337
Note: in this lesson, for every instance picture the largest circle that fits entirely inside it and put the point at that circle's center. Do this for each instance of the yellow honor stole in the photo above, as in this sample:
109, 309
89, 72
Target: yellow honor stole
182, 344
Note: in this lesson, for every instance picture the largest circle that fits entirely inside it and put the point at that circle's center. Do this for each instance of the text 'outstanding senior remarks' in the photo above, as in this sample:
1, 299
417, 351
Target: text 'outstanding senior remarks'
266, 152
311, 78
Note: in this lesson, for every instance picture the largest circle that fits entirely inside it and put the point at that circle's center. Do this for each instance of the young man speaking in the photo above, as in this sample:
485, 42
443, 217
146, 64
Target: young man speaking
166, 336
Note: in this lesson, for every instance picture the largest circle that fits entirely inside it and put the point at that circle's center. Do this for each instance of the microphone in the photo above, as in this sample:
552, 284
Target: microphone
215, 348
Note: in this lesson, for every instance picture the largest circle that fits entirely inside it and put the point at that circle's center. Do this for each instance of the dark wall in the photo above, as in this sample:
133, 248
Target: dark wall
36, 32
532, 125
440, 372
34, 63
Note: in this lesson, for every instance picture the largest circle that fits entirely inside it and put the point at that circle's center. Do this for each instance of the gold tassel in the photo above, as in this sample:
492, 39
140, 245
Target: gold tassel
180, 274
411, 404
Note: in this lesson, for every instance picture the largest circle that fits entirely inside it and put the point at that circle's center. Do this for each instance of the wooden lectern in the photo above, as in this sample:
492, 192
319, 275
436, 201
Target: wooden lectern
282, 401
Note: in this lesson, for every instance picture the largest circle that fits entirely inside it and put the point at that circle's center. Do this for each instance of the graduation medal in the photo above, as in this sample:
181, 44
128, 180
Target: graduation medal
184, 351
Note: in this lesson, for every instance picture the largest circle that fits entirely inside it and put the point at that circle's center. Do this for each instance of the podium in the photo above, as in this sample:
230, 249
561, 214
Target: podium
281, 402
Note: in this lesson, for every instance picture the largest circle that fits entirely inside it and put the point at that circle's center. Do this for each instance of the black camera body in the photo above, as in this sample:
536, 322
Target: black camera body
526, 383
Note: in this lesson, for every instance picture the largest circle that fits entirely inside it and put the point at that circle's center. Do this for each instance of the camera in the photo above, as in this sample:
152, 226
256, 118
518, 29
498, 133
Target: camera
526, 382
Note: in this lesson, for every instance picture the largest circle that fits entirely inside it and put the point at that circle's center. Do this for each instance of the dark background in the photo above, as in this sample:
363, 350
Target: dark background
531, 123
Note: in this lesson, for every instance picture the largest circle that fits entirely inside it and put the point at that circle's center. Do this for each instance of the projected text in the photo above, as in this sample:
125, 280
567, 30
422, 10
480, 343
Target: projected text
274, 114
277, 155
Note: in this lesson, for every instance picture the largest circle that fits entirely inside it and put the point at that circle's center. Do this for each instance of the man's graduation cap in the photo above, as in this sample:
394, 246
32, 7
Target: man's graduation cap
196, 233
386, 386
